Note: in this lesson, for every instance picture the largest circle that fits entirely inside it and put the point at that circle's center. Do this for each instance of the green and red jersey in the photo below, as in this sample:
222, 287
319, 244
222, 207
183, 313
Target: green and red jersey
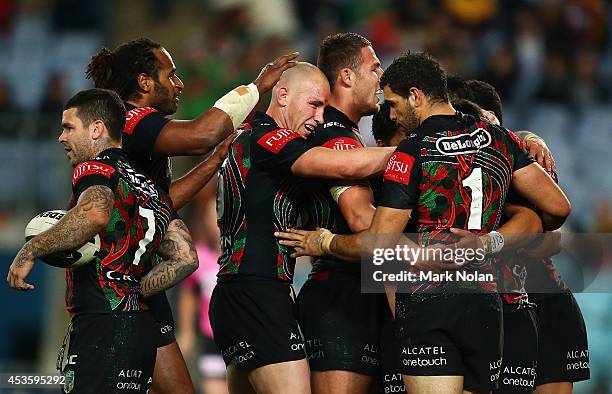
455, 171
139, 220
320, 210
257, 196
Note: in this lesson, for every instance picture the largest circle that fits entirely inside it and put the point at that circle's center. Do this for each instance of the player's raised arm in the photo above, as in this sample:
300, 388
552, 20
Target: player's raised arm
144, 75
200, 135
179, 260
80, 224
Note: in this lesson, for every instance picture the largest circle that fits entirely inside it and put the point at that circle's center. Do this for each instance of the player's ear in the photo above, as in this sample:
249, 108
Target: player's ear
281, 96
346, 77
97, 129
380, 143
416, 97
145, 82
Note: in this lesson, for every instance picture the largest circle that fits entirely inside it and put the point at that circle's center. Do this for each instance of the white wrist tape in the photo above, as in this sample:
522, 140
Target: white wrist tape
324, 240
326, 243
238, 103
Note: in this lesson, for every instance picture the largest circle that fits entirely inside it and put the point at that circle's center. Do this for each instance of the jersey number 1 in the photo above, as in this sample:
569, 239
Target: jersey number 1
149, 216
474, 182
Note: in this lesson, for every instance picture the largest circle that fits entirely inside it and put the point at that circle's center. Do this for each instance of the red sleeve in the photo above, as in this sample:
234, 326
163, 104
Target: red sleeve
402, 177
91, 173
142, 127
279, 149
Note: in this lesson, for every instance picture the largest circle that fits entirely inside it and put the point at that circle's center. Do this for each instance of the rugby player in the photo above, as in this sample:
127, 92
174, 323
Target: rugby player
143, 73
558, 345
252, 307
520, 348
386, 132
341, 325
449, 317
112, 347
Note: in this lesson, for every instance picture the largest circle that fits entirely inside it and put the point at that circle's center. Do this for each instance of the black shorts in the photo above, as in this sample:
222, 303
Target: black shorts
563, 348
164, 321
254, 322
341, 325
451, 334
520, 359
109, 353
390, 377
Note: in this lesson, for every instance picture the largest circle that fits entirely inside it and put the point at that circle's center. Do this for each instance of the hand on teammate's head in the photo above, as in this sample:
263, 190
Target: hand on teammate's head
271, 73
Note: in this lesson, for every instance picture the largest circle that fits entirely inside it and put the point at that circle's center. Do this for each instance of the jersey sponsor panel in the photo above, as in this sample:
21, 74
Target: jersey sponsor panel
276, 140
90, 168
133, 116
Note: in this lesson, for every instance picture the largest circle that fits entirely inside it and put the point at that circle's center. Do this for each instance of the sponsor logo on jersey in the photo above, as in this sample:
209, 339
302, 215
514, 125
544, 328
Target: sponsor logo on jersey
115, 276
132, 117
398, 168
464, 143
342, 143
275, 140
165, 329
91, 168
332, 124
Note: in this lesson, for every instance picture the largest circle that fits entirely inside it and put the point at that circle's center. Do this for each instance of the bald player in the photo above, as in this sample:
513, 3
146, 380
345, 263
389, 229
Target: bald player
260, 192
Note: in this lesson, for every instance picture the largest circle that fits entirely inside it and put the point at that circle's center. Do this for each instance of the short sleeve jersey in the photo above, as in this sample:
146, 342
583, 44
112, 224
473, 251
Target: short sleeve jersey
320, 210
139, 220
257, 196
454, 172
142, 127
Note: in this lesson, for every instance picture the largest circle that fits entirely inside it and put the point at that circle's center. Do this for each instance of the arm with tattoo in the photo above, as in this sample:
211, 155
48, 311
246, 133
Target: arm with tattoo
80, 224
179, 260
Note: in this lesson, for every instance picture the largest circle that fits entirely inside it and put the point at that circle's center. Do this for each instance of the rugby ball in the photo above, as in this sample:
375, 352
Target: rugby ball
71, 258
